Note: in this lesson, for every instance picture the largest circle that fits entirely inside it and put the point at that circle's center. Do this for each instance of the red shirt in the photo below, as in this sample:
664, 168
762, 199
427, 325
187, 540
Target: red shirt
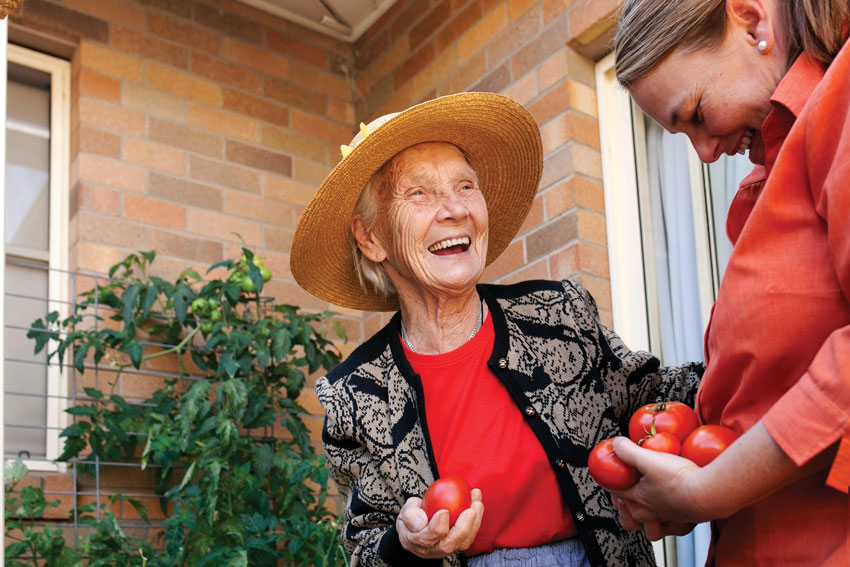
478, 433
778, 344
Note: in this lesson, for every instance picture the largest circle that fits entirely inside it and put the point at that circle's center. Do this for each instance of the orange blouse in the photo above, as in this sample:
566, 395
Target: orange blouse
778, 344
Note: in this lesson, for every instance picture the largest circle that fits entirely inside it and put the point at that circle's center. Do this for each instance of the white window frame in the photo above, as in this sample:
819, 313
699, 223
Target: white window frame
623, 164
57, 257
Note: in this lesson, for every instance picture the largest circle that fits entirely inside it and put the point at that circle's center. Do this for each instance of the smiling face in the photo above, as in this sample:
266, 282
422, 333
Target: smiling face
718, 97
432, 228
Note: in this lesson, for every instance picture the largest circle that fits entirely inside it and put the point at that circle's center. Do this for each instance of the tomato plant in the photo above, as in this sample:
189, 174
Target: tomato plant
608, 470
447, 493
670, 417
706, 442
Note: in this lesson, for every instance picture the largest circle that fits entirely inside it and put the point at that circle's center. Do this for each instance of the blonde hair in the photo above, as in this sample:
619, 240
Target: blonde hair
649, 30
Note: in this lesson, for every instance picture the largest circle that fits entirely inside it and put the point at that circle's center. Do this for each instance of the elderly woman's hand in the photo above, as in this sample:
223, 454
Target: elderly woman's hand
434, 539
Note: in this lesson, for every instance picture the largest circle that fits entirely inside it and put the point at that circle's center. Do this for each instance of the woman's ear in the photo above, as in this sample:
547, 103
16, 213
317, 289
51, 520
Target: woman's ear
367, 240
755, 18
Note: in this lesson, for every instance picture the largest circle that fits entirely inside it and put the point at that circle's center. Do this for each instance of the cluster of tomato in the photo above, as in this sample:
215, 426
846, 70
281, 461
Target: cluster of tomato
242, 273
667, 427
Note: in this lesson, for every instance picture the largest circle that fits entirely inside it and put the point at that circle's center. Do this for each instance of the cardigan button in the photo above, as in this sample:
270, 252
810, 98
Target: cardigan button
560, 463
529, 411
580, 517
503, 363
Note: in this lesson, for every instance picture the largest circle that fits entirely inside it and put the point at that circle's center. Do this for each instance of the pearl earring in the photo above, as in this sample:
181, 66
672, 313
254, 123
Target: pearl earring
762, 45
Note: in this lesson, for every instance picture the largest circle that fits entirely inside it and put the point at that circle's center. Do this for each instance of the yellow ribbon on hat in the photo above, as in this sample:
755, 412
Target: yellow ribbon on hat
345, 150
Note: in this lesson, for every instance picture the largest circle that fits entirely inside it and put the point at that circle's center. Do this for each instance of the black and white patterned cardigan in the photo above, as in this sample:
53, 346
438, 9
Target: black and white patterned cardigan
574, 381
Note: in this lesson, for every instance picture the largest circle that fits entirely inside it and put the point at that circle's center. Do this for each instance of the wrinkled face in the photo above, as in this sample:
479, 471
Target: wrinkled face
432, 227
718, 97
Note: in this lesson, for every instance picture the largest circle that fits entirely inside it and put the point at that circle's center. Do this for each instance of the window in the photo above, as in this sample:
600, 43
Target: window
36, 245
667, 244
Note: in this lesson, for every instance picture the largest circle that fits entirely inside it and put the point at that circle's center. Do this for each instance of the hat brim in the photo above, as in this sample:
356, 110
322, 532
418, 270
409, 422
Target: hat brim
497, 134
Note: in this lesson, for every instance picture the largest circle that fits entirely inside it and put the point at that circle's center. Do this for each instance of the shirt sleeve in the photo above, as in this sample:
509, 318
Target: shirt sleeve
369, 533
815, 413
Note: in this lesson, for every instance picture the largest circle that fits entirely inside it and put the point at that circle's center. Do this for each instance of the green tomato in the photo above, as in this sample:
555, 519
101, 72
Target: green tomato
200, 304
214, 304
265, 273
258, 261
247, 285
207, 327
215, 315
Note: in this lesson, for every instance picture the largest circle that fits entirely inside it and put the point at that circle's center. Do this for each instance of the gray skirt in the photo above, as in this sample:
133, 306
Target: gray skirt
568, 553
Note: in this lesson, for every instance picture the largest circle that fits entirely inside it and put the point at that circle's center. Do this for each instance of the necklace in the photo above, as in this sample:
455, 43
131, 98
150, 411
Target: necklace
478, 324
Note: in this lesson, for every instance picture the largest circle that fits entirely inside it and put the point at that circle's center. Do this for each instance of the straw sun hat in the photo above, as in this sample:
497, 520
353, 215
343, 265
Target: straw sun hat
497, 134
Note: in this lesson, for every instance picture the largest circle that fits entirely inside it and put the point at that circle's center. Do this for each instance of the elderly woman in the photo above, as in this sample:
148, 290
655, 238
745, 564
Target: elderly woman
506, 386
773, 79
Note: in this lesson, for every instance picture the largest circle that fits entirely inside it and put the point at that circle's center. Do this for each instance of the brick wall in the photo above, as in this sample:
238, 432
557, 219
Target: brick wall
193, 120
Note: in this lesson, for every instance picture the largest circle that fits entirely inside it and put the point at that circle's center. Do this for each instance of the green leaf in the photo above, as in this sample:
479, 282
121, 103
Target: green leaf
149, 256
148, 299
93, 393
183, 295
129, 300
134, 350
262, 457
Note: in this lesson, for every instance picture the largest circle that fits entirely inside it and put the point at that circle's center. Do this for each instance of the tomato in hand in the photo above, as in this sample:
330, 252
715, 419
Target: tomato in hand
447, 493
608, 470
663, 442
670, 417
706, 442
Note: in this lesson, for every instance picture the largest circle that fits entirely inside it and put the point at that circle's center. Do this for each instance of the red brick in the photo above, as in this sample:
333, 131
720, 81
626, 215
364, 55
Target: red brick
99, 142
178, 7
314, 37
367, 51
259, 158
255, 58
154, 156
182, 84
56, 18
517, 8
591, 227
179, 245
227, 23
99, 86
531, 55
565, 263
110, 117
458, 26
512, 258
257, 208
519, 33
565, 96
180, 136
469, 74
295, 143
95, 257
412, 13
220, 173
523, 90
155, 212
113, 11
98, 199
223, 122
294, 95
109, 172
153, 101
256, 107
321, 81
482, 33
438, 16
149, 47
183, 32
570, 126
414, 64
309, 172
110, 62
590, 19
321, 128
110, 230
178, 190
224, 227
290, 47
228, 73
288, 190
554, 8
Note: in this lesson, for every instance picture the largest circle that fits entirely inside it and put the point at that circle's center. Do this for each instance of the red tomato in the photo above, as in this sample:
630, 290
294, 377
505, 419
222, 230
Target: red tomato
608, 470
447, 493
663, 442
670, 417
706, 442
